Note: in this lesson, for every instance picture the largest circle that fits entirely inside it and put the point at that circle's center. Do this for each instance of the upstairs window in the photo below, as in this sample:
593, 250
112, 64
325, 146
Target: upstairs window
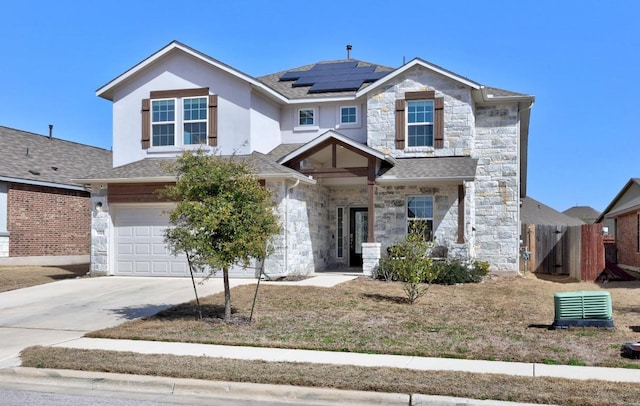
420, 120
420, 215
195, 121
179, 118
420, 123
348, 115
163, 119
306, 117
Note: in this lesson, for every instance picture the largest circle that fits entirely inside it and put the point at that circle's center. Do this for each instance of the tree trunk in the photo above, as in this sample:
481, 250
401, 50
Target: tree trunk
227, 295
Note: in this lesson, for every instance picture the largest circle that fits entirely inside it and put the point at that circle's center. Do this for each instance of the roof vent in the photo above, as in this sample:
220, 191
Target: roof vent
50, 131
349, 47
34, 172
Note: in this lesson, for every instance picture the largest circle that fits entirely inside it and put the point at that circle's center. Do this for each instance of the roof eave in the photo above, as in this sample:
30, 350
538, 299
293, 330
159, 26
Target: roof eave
106, 91
66, 186
411, 64
433, 179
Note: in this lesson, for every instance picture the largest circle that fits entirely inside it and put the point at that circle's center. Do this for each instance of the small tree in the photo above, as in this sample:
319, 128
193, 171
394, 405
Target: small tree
410, 263
223, 216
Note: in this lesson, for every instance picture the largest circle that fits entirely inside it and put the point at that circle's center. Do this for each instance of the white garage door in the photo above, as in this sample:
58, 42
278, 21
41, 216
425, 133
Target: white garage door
140, 249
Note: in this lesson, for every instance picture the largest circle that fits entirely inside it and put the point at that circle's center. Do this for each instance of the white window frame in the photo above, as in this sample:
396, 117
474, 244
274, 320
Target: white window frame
306, 127
340, 233
342, 124
421, 123
178, 125
409, 219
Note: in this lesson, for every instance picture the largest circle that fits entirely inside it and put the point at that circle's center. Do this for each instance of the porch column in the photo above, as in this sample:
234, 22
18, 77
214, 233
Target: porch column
371, 187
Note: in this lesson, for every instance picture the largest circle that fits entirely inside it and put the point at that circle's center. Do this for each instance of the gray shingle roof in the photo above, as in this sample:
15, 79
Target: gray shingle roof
585, 213
151, 168
31, 157
534, 212
432, 168
286, 87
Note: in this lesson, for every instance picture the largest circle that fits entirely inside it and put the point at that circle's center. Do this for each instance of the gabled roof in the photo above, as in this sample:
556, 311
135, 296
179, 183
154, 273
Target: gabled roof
629, 206
154, 170
341, 138
37, 159
534, 212
106, 91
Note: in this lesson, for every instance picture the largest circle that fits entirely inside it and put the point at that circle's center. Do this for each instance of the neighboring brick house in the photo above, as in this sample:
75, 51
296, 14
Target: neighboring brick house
45, 217
354, 153
622, 220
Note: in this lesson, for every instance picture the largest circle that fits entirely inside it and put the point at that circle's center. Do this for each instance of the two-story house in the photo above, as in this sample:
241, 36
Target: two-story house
354, 153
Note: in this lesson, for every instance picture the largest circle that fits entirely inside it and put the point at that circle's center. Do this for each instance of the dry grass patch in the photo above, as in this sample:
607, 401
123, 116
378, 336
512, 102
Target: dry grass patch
505, 319
467, 385
18, 277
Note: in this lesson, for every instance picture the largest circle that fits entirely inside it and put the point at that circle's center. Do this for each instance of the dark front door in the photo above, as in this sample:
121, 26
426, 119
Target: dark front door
358, 232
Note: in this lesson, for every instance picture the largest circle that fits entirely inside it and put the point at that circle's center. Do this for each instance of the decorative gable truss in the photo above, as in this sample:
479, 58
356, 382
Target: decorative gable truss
212, 112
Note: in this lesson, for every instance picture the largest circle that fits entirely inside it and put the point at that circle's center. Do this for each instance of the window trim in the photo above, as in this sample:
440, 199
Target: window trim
340, 232
342, 124
421, 123
306, 127
401, 118
432, 218
172, 122
212, 119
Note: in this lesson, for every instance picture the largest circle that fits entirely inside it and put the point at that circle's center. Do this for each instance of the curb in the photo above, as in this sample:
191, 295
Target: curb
142, 384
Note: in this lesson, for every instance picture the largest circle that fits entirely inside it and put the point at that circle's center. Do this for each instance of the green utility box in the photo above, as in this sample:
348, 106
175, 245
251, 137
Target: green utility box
583, 309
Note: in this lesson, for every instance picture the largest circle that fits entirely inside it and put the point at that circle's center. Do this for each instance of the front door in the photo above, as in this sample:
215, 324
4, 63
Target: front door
358, 232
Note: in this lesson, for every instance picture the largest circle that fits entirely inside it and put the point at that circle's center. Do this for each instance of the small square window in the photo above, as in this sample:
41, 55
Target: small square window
306, 117
348, 115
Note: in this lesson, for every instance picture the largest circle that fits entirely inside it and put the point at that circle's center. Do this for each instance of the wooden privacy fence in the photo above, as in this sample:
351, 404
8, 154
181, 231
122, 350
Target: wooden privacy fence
577, 251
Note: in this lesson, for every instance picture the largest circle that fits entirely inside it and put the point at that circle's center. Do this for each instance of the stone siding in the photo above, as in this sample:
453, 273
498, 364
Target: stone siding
45, 221
497, 201
101, 229
305, 248
391, 213
459, 120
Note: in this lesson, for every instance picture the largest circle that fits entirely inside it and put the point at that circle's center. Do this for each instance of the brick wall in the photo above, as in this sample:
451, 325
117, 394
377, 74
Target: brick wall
627, 240
47, 221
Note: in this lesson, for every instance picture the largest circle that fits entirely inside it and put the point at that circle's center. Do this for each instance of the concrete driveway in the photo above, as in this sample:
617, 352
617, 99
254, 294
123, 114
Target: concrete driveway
65, 310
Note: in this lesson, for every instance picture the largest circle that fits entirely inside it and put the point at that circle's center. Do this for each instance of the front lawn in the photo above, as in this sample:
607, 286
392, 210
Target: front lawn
18, 277
499, 319
503, 319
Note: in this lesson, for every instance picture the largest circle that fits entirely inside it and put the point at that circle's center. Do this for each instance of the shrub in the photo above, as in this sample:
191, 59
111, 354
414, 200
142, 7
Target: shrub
456, 271
409, 263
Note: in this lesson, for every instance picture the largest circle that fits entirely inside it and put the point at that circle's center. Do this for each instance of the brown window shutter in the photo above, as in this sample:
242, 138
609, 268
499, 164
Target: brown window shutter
400, 107
213, 120
438, 124
146, 124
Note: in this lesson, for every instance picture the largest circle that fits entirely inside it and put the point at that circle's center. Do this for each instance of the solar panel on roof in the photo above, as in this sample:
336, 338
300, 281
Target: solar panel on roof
333, 76
335, 86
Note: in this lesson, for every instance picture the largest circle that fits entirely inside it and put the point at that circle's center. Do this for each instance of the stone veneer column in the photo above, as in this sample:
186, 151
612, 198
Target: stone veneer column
370, 257
100, 229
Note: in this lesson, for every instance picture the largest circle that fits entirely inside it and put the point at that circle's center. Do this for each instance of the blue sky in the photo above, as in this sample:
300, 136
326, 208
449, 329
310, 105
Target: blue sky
579, 58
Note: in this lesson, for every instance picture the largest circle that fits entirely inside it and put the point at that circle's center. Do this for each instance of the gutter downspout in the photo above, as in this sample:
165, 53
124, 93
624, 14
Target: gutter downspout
286, 225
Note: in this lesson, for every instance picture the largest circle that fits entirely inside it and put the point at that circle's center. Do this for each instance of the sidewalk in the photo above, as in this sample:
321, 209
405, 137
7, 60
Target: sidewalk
358, 359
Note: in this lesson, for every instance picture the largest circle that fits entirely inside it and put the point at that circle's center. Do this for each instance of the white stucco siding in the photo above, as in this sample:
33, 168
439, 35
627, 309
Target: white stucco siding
179, 71
328, 118
265, 124
459, 121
